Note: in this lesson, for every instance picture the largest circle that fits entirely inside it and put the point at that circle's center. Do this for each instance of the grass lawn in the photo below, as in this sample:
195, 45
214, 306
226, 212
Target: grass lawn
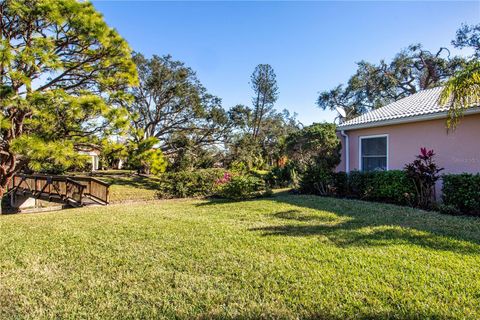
126, 186
283, 257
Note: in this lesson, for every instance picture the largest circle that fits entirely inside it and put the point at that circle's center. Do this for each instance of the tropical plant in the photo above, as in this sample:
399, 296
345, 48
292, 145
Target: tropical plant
425, 173
463, 89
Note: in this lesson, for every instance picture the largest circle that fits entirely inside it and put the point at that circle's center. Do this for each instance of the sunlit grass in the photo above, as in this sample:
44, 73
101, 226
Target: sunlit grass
283, 257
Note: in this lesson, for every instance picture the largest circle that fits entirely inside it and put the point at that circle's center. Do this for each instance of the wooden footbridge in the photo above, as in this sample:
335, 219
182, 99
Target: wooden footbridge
75, 191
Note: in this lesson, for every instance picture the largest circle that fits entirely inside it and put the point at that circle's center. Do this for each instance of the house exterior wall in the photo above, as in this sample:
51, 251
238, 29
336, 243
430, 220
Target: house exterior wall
457, 151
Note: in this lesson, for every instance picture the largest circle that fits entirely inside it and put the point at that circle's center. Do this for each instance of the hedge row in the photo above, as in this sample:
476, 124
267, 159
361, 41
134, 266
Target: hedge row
200, 183
385, 186
209, 182
461, 193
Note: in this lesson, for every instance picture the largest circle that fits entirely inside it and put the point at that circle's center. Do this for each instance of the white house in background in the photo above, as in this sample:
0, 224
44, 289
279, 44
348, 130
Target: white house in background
93, 153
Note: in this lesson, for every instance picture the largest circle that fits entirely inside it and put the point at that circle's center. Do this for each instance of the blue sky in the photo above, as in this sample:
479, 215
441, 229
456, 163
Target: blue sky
313, 46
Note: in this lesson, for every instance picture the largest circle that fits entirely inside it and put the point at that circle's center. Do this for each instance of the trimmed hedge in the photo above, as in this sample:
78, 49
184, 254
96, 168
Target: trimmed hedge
385, 186
461, 192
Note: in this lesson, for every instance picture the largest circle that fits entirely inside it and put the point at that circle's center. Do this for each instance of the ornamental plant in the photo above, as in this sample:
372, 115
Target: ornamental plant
425, 173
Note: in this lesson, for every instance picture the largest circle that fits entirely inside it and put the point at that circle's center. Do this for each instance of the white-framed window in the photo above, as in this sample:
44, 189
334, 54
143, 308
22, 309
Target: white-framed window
373, 152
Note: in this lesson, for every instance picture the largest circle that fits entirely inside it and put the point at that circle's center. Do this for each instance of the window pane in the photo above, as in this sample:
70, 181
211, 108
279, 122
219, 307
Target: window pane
374, 163
374, 146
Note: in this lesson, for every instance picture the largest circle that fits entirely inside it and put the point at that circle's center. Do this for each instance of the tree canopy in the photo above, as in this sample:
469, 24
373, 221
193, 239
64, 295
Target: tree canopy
375, 85
170, 100
63, 75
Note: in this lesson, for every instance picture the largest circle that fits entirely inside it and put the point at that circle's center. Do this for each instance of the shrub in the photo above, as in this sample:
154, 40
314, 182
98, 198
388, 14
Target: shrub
281, 177
315, 145
386, 186
449, 209
199, 183
424, 173
462, 192
242, 187
316, 180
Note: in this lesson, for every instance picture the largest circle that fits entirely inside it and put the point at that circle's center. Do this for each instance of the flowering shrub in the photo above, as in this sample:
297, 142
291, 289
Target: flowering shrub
425, 173
227, 176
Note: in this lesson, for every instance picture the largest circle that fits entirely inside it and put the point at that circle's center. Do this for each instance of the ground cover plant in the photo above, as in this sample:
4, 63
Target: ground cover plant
288, 256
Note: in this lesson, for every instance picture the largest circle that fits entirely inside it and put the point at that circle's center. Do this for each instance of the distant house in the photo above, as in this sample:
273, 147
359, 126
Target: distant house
389, 137
94, 154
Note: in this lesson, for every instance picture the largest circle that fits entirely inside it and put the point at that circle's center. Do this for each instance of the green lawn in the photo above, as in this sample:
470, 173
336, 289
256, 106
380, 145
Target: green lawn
283, 257
127, 186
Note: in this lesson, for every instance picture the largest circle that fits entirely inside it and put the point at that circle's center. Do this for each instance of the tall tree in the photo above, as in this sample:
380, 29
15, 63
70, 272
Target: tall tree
259, 131
63, 73
374, 85
264, 85
169, 101
463, 89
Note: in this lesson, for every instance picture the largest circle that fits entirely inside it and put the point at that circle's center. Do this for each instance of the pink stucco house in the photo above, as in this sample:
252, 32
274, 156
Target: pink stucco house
391, 136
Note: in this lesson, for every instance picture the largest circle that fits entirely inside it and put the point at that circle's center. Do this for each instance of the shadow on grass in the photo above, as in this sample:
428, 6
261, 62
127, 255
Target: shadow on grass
358, 223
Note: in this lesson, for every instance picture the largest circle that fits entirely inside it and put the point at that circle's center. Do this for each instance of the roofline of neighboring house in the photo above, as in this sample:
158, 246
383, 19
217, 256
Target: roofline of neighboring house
389, 122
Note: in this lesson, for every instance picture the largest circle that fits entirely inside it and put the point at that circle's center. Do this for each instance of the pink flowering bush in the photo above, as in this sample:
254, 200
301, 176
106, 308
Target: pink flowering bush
227, 176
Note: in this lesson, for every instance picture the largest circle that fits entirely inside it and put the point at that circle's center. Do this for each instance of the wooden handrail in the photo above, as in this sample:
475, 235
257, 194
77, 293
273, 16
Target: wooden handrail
66, 187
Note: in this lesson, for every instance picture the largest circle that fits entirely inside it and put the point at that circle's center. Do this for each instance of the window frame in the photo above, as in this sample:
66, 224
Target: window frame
360, 158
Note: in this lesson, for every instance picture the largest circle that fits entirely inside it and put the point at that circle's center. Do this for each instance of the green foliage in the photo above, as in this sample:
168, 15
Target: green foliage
242, 187
392, 186
281, 177
265, 88
64, 76
53, 157
172, 106
199, 183
462, 192
424, 172
113, 153
259, 133
462, 92
316, 145
375, 85
145, 157
289, 257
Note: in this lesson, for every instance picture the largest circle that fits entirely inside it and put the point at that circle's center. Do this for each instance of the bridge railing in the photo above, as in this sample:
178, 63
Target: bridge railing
94, 188
63, 187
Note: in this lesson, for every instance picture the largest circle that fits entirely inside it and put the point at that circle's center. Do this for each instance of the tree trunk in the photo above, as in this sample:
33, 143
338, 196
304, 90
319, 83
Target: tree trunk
2, 193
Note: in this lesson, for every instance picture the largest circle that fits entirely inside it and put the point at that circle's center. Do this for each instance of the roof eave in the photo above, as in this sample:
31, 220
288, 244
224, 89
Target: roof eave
389, 122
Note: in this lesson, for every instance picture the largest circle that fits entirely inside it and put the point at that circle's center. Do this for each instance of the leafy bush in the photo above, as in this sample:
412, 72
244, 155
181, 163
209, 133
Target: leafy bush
315, 145
199, 183
281, 177
242, 187
462, 192
386, 186
423, 171
392, 186
316, 180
